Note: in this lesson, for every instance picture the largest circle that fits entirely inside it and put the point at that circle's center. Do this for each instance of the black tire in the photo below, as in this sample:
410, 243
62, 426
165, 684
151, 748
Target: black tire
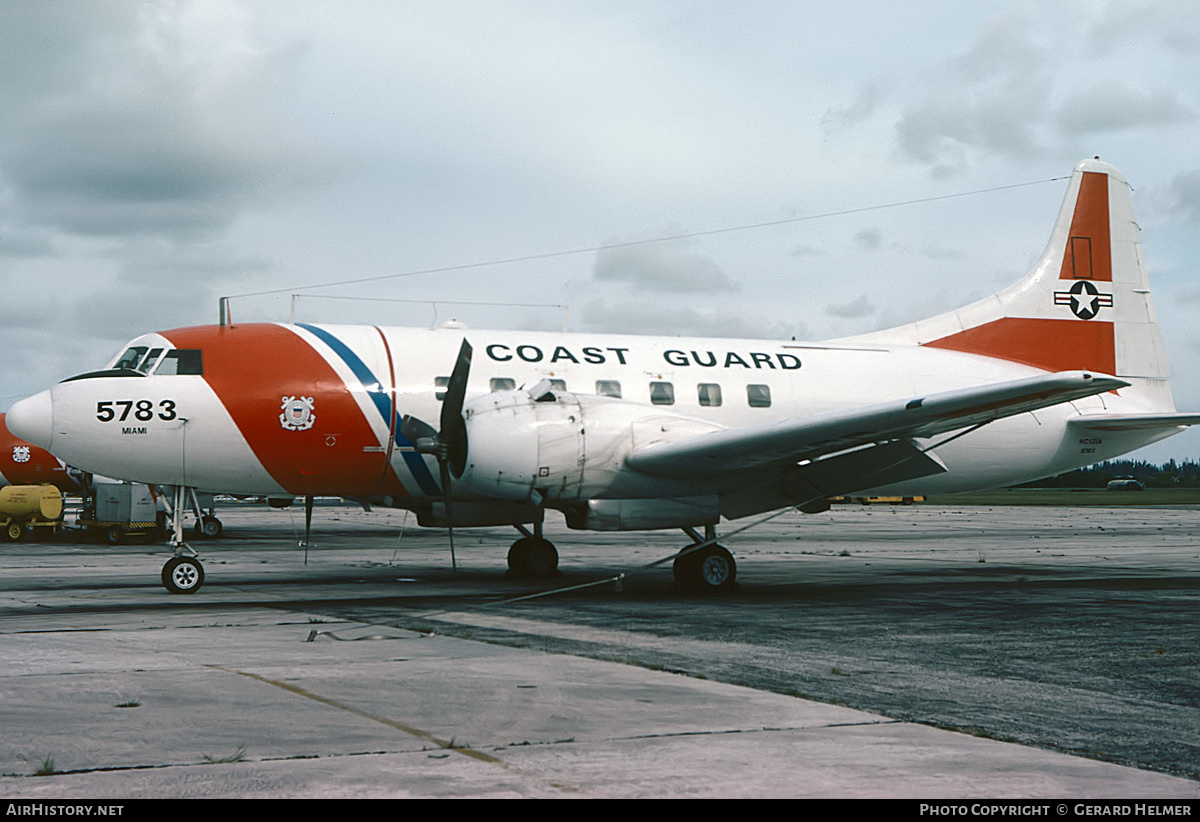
183, 575
710, 570
208, 527
542, 558
114, 535
533, 557
683, 568
518, 557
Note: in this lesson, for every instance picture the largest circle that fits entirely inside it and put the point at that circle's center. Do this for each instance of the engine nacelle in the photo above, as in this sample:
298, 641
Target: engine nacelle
556, 446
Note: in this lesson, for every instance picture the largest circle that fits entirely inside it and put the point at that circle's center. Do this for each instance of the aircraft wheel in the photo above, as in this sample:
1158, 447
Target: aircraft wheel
183, 575
518, 557
710, 570
208, 527
533, 557
543, 557
683, 568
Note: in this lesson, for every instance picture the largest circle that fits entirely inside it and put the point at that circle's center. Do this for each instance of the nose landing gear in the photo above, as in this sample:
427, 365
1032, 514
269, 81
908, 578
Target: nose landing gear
183, 573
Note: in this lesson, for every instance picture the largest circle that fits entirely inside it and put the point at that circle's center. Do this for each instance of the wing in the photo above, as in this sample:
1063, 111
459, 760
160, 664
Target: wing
734, 450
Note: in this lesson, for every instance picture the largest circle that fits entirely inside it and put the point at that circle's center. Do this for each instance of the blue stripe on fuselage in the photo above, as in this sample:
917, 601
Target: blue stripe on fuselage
377, 393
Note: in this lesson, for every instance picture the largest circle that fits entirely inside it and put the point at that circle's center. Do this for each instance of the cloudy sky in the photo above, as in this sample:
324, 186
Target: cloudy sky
155, 156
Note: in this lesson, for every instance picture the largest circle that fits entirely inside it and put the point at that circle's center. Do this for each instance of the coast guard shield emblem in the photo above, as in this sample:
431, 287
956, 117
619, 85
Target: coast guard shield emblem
297, 413
20, 453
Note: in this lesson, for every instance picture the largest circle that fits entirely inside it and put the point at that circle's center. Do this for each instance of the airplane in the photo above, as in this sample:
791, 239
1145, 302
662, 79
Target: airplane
23, 463
1062, 369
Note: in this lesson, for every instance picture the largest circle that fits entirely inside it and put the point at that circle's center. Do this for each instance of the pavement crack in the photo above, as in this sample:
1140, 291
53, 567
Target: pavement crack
449, 745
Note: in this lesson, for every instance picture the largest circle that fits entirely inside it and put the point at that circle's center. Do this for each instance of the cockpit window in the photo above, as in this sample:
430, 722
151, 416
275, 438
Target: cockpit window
181, 361
138, 358
131, 358
149, 360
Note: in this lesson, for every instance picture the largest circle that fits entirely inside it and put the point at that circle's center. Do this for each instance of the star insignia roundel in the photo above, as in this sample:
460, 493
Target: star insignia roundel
1084, 299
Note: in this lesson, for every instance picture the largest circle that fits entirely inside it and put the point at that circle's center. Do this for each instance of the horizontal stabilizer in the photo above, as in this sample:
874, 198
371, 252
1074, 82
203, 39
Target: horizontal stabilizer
730, 451
1133, 422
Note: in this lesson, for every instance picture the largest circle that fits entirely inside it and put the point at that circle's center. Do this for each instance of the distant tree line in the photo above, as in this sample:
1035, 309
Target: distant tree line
1170, 474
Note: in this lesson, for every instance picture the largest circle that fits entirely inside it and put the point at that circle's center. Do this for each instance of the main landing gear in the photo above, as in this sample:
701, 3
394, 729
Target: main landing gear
704, 566
183, 573
532, 555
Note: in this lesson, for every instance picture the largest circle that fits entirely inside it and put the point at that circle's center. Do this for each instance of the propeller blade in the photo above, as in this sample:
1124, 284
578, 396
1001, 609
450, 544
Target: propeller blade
452, 438
449, 444
415, 430
308, 509
448, 501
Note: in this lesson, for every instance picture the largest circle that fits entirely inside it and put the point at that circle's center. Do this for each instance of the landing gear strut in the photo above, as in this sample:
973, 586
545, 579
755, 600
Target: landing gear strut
532, 555
183, 573
708, 569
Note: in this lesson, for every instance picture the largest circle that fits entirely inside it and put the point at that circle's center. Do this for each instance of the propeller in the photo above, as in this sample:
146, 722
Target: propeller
449, 444
308, 509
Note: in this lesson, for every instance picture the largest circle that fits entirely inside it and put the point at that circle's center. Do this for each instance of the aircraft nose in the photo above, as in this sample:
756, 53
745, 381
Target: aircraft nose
32, 419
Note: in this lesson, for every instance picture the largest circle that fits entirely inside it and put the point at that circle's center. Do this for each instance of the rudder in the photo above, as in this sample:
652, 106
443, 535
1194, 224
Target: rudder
1085, 305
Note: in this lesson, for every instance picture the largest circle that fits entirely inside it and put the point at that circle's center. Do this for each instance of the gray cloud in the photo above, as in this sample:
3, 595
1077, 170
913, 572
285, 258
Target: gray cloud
859, 307
869, 239
941, 252
860, 110
989, 98
665, 266
139, 123
805, 250
650, 317
1115, 106
1185, 189
1172, 24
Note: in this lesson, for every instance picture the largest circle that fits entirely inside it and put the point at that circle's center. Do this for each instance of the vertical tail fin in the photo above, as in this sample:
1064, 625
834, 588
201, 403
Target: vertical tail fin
1085, 304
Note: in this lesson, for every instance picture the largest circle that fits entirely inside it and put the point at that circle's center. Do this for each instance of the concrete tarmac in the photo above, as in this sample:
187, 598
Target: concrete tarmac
252, 688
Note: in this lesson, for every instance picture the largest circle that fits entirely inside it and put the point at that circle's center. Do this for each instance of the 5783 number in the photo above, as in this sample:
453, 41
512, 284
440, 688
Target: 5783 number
122, 410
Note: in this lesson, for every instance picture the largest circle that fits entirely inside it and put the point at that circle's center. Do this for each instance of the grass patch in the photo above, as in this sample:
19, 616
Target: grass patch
1070, 497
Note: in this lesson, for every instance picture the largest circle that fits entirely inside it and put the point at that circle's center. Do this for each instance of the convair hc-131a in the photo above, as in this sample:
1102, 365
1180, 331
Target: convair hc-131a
1062, 369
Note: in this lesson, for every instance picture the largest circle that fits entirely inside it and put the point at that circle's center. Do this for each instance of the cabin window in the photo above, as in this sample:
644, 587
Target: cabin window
662, 393
439, 387
759, 396
181, 361
710, 394
608, 388
558, 385
502, 384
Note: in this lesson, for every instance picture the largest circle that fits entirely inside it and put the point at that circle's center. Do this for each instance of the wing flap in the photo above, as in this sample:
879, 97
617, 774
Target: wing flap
809, 485
733, 450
